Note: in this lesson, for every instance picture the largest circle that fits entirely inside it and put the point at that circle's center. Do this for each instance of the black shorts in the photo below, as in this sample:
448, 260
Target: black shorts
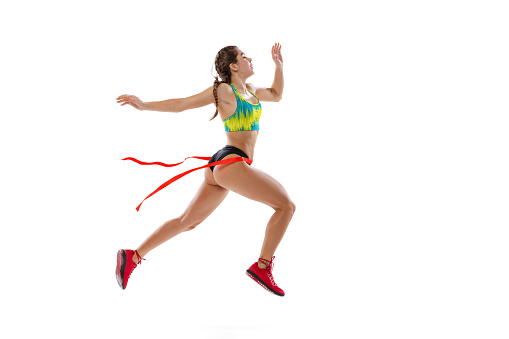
226, 150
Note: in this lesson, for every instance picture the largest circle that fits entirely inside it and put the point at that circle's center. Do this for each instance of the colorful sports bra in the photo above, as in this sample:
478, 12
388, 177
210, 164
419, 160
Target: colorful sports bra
245, 117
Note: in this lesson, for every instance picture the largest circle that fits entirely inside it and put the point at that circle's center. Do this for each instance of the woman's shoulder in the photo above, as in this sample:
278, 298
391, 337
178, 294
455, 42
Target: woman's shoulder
225, 92
224, 88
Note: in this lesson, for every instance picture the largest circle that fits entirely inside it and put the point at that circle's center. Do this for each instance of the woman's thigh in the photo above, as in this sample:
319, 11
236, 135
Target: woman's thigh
252, 183
206, 200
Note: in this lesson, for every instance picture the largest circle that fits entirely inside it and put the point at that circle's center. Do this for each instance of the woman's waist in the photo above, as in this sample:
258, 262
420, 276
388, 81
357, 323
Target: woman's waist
244, 142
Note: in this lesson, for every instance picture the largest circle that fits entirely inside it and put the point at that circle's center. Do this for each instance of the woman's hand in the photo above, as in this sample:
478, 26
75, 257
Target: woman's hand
132, 100
276, 55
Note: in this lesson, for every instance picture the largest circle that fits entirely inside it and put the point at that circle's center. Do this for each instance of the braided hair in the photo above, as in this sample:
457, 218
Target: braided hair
225, 57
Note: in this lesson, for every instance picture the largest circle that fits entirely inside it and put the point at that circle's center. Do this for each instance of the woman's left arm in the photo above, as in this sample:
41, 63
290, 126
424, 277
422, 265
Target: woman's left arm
279, 82
275, 93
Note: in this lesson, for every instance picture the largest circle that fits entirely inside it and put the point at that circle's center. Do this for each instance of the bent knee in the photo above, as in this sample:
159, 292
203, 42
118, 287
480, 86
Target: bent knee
292, 207
288, 207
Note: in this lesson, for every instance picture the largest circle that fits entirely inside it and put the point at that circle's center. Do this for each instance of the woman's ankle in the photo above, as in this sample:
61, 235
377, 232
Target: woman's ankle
137, 258
262, 264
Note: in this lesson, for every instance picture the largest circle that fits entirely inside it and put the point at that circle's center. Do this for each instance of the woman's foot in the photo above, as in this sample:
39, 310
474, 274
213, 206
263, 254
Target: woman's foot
263, 276
126, 263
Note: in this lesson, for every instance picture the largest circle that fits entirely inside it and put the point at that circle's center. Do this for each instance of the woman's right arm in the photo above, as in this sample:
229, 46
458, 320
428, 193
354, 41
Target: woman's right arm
172, 105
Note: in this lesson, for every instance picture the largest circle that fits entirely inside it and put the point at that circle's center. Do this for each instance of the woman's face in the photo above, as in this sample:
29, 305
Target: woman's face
244, 65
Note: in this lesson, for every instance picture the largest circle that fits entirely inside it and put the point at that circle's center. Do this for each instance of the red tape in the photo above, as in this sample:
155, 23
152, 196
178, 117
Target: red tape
175, 178
163, 164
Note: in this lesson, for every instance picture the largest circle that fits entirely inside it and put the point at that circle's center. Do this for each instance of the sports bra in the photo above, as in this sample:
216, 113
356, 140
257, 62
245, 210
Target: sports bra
245, 117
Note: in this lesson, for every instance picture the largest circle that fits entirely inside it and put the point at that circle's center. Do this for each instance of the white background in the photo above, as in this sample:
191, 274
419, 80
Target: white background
391, 138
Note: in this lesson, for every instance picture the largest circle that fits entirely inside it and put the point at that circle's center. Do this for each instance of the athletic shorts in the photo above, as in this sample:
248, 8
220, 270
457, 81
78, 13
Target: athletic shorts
223, 152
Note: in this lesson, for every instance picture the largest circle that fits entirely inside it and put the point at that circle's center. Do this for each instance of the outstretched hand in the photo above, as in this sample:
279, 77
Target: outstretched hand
132, 100
276, 55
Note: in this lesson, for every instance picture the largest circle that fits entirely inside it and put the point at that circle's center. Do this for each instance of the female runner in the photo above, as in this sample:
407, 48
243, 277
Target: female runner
238, 104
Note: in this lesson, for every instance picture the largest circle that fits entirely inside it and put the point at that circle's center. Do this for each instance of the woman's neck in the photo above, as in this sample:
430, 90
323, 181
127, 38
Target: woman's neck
240, 85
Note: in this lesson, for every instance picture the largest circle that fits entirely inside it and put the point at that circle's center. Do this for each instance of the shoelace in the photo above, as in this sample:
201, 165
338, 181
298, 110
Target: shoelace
270, 266
139, 257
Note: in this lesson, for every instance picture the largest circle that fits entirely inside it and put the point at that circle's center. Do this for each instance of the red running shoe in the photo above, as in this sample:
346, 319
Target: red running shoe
263, 276
126, 265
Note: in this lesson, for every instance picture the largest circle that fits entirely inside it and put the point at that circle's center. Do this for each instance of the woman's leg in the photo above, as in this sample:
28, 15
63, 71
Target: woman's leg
259, 186
206, 200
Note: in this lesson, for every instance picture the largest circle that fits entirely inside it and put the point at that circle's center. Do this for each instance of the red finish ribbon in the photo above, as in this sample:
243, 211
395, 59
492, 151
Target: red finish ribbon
175, 178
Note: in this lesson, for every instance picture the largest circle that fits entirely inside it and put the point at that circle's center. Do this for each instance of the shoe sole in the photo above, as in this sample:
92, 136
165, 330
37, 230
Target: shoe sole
119, 272
253, 276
